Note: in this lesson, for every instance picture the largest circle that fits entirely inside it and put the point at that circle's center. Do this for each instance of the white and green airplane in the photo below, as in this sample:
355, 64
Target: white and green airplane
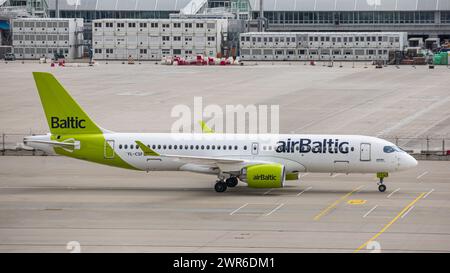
260, 161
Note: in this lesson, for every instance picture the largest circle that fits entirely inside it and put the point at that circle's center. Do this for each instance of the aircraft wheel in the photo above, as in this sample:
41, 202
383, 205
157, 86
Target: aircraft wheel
220, 186
382, 188
232, 182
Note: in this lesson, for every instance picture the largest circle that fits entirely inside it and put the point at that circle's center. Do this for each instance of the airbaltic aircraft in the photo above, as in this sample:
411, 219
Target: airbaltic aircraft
260, 161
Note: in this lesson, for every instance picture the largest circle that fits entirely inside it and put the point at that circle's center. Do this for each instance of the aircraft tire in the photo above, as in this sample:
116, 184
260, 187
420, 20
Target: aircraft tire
220, 186
232, 182
382, 188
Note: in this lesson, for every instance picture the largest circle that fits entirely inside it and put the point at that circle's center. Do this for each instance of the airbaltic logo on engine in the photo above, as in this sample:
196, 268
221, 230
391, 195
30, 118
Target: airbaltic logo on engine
265, 177
68, 123
304, 145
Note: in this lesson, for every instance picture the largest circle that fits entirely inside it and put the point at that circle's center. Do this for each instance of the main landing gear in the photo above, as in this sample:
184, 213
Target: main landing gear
222, 185
381, 186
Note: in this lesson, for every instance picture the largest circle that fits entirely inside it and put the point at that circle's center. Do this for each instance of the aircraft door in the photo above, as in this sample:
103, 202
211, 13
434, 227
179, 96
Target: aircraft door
365, 152
109, 149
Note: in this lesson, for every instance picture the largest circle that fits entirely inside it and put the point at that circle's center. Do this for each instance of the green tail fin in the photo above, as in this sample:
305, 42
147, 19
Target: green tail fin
64, 115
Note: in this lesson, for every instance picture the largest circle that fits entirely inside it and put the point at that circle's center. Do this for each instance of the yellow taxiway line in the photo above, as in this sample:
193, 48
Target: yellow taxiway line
391, 222
330, 207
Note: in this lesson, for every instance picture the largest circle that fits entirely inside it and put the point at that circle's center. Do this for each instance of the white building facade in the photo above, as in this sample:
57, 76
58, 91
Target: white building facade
35, 38
320, 46
154, 39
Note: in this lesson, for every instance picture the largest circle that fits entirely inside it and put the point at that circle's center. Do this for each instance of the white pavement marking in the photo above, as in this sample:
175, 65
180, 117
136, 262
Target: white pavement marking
307, 189
275, 209
420, 176
234, 211
305, 174
267, 191
406, 212
389, 196
428, 193
365, 215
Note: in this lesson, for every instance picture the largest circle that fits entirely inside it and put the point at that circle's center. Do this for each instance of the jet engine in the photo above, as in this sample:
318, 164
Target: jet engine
263, 175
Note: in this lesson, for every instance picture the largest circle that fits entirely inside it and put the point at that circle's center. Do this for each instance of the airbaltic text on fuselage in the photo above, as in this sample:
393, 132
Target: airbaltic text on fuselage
68, 123
305, 145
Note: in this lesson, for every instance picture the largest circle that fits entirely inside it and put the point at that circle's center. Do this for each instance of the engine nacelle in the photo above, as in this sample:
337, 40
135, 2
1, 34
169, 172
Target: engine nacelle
263, 176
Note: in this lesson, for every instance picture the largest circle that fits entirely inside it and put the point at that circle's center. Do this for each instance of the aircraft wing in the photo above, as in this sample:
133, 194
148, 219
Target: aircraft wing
231, 164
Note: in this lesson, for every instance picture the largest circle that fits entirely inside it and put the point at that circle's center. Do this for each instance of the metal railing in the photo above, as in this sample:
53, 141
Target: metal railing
12, 144
423, 145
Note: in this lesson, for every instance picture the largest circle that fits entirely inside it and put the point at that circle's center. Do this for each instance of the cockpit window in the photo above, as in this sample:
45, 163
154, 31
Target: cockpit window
389, 149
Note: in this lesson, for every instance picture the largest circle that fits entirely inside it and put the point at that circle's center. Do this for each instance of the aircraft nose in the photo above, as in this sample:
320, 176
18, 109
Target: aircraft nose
408, 161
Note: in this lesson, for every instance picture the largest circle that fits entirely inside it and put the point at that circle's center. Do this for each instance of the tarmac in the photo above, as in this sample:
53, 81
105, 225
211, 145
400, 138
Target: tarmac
47, 203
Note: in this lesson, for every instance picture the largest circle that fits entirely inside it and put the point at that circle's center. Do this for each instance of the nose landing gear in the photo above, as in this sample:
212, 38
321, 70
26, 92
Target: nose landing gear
381, 186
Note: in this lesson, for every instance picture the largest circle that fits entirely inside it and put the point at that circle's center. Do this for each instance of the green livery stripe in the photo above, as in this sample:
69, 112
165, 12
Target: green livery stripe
93, 148
147, 151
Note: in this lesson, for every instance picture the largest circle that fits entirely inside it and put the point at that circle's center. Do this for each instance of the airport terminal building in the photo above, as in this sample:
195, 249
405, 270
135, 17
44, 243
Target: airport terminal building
428, 18
416, 18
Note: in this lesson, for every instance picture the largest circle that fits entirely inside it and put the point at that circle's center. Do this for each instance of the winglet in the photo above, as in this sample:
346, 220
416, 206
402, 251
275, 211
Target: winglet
147, 151
205, 128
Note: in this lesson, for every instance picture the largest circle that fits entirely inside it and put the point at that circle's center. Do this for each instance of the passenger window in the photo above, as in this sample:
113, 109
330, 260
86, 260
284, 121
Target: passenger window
159, 146
224, 147
196, 147
170, 147
154, 147
131, 146
213, 147
120, 146
164, 147
175, 147
126, 146
236, 147
207, 147
218, 147
245, 147
192, 147
230, 147
186, 147
203, 147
